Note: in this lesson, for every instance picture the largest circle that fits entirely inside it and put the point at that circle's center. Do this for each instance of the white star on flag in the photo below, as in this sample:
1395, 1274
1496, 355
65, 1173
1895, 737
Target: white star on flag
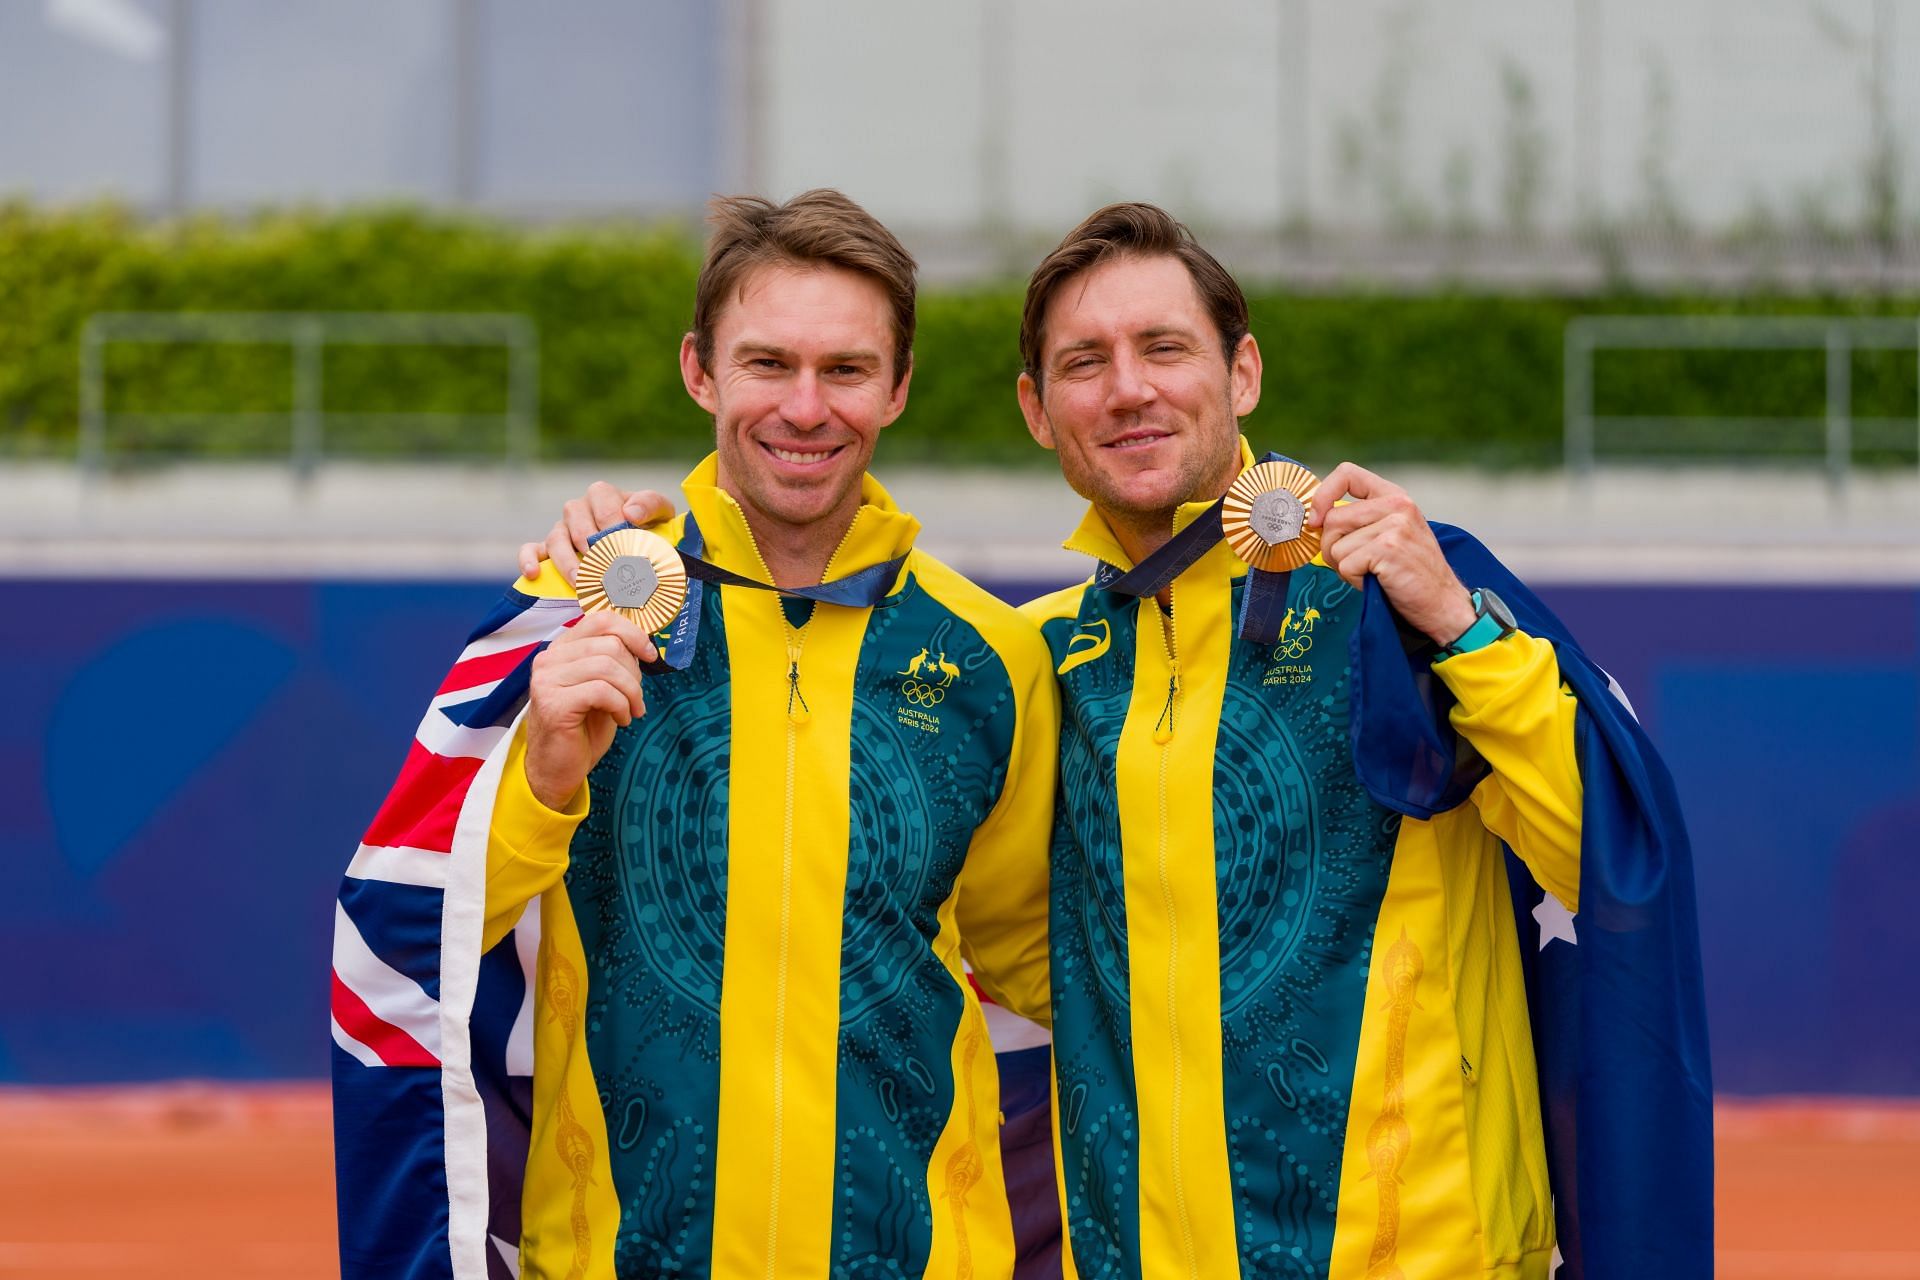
1555, 921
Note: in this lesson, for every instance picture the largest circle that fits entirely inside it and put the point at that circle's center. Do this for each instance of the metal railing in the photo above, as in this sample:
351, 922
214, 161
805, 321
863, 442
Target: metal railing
308, 334
1839, 337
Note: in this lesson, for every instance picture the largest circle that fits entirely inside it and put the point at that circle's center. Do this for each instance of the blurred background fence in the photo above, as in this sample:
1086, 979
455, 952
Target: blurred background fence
1839, 436
308, 429
1461, 374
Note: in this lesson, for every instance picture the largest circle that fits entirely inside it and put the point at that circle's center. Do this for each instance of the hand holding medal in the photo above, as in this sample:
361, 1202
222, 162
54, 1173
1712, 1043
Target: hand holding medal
587, 684
1380, 532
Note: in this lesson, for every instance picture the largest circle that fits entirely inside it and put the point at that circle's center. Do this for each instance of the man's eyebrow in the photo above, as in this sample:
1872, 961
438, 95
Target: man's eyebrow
1145, 335
749, 349
857, 355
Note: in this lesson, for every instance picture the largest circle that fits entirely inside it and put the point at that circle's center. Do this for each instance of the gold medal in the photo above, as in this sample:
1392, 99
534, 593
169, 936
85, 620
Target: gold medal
636, 574
1264, 516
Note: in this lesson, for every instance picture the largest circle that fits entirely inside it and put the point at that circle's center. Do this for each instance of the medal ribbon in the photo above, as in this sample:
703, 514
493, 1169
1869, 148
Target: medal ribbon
864, 589
1262, 608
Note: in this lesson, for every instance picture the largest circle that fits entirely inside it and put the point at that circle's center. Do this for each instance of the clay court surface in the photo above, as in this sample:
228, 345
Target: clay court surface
199, 1180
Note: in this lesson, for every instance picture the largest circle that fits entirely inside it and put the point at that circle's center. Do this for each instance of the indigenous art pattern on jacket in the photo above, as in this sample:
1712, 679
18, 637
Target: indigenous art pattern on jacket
1290, 1025
652, 870
1297, 867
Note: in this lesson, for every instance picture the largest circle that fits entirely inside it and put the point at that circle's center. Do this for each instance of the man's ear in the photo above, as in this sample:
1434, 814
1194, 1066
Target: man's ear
699, 382
1038, 425
1243, 377
897, 402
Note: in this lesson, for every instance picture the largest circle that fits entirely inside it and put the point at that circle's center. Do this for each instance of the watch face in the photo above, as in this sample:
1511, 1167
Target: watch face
1496, 608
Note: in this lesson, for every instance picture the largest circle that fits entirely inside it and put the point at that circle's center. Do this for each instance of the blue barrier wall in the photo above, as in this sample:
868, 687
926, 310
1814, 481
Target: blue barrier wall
185, 768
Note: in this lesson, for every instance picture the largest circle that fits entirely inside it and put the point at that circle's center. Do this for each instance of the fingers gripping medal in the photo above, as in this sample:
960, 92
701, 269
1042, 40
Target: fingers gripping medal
1264, 516
636, 574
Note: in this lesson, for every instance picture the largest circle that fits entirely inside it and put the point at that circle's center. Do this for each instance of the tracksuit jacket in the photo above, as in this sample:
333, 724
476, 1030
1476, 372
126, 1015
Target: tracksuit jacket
756, 1052
1290, 1028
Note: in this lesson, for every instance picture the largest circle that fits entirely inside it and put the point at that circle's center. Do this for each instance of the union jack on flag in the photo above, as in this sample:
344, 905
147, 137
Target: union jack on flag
433, 1041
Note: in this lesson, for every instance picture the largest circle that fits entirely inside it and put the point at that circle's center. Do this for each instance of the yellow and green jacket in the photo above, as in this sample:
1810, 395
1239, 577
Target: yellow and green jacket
1290, 1027
755, 1050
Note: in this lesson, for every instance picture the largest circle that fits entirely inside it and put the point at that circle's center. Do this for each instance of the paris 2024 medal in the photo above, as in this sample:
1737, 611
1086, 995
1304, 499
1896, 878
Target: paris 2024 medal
636, 574
1264, 516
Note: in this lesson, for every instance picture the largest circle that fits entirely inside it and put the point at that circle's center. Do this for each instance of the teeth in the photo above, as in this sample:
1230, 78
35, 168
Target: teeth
791, 455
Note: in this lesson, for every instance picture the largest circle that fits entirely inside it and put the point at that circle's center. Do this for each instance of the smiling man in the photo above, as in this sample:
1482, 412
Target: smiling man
739, 887
1290, 1018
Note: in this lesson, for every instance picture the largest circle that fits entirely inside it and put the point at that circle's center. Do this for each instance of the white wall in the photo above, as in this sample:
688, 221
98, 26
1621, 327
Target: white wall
1369, 114
1364, 116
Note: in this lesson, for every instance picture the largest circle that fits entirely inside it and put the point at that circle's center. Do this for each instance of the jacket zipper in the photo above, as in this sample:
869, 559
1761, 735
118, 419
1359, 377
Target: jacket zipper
798, 714
1163, 736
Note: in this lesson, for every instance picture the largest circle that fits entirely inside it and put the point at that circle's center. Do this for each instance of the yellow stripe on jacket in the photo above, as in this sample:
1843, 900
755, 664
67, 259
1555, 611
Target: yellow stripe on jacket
1444, 1171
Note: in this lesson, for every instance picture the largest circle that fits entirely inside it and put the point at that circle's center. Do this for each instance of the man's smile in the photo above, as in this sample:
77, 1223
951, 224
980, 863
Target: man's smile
1139, 438
807, 456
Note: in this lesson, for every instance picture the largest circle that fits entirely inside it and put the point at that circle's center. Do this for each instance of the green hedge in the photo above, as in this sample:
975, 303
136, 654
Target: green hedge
1450, 375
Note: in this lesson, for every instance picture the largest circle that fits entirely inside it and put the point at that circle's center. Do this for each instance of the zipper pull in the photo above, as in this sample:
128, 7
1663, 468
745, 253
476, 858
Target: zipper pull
797, 712
1163, 727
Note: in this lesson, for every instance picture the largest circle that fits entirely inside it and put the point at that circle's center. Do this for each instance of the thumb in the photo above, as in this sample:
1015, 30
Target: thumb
643, 506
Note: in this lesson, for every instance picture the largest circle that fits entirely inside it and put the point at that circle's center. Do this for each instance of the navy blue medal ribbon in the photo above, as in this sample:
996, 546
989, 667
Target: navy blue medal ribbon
864, 589
1263, 606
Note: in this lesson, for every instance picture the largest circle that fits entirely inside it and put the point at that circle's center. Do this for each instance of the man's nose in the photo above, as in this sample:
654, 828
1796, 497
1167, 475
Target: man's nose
804, 406
1129, 385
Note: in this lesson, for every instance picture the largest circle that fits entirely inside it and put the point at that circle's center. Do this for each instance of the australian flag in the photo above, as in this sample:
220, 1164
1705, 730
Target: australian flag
1615, 992
433, 1041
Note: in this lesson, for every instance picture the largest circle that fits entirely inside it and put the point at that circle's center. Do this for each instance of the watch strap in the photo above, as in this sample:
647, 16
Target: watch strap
1485, 630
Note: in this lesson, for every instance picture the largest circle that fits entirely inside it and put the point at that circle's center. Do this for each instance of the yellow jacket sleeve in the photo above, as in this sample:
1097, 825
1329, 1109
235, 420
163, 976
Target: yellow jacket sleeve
526, 845
1513, 708
1002, 906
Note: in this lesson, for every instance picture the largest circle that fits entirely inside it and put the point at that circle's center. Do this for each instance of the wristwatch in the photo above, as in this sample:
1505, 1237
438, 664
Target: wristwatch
1492, 620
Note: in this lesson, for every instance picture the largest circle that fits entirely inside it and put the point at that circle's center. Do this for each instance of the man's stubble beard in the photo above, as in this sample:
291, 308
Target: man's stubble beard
758, 496
1203, 478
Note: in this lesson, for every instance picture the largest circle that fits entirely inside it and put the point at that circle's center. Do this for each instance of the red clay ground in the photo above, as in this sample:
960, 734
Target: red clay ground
200, 1180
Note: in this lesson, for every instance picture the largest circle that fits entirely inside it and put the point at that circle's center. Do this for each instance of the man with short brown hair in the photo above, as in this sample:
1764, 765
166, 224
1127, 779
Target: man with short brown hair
1290, 1011
752, 1044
